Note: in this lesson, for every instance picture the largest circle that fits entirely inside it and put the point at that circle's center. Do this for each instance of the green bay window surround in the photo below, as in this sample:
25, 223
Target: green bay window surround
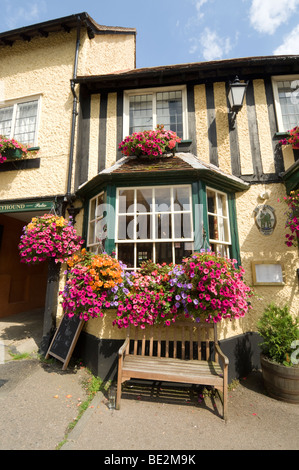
164, 223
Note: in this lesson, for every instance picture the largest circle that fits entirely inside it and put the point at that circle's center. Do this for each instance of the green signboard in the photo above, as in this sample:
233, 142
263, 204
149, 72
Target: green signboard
26, 206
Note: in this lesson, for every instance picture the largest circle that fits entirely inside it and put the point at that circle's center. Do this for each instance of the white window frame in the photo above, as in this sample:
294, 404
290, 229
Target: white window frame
154, 91
95, 246
14, 103
153, 212
281, 78
225, 243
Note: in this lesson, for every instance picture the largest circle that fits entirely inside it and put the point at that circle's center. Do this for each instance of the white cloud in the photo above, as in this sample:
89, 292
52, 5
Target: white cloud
267, 15
198, 5
211, 45
290, 44
29, 13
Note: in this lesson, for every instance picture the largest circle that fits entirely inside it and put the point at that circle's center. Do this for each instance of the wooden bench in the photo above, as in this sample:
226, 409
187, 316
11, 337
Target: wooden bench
179, 353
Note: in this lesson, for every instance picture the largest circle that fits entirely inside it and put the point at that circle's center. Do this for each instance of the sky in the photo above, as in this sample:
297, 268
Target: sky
179, 31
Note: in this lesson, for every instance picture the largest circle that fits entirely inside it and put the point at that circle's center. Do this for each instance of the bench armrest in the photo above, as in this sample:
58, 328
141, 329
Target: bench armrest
123, 347
221, 354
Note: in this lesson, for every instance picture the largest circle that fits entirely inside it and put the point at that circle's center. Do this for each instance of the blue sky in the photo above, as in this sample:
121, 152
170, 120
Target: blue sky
179, 31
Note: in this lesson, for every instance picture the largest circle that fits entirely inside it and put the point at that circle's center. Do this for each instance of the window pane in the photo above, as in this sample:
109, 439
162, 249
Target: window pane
100, 208
211, 196
26, 122
144, 252
182, 225
213, 229
126, 201
141, 113
170, 111
100, 230
223, 250
143, 227
92, 209
181, 198
91, 233
125, 227
182, 250
144, 200
6, 121
164, 253
162, 200
126, 254
163, 226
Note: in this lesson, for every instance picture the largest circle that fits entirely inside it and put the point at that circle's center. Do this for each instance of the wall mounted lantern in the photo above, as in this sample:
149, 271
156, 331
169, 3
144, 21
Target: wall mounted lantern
236, 94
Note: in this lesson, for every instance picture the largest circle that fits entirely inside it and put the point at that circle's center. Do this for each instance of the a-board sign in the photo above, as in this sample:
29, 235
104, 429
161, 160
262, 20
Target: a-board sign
65, 339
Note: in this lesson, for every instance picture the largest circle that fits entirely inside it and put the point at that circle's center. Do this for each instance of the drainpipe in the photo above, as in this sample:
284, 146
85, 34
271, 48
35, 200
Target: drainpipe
74, 114
54, 269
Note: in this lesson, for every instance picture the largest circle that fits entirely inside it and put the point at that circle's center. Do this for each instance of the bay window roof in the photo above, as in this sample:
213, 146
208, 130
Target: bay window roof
182, 165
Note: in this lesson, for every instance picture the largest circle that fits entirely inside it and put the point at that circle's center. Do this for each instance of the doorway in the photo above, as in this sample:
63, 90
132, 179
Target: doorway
22, 287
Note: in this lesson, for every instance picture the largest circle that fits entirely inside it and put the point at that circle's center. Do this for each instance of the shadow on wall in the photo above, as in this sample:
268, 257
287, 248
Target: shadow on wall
243, 352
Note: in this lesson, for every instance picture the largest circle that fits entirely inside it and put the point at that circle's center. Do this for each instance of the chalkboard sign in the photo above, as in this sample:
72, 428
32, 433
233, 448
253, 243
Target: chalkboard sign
65, 338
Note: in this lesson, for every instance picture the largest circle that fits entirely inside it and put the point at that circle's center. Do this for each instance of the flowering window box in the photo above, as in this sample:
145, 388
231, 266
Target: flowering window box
11, 149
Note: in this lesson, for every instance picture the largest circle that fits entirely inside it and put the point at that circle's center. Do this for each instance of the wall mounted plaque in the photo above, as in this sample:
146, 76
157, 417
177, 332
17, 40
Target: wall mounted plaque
265, 219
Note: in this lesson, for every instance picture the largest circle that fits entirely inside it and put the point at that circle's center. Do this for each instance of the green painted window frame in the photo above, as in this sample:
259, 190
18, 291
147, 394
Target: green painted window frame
200, 217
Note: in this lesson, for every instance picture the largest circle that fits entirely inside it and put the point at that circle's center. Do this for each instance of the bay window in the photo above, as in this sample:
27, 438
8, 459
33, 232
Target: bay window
153, 223
157, 223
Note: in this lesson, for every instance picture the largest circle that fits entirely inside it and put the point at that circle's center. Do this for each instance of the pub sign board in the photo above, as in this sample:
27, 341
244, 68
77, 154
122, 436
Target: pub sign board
65, 339
26, 206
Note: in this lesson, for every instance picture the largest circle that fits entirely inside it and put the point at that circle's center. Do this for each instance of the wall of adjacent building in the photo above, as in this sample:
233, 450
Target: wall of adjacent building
44, 66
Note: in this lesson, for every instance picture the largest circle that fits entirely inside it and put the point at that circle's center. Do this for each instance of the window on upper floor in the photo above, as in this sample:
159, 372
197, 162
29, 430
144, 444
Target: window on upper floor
286, 94
19, 120
145, 108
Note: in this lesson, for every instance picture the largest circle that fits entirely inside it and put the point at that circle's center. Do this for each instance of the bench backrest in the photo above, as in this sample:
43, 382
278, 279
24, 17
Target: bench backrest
184, 340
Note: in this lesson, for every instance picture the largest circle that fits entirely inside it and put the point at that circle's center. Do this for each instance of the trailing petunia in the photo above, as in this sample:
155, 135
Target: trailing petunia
218, 290
92, 283
8, 146
49, 236
292, 220
151, 143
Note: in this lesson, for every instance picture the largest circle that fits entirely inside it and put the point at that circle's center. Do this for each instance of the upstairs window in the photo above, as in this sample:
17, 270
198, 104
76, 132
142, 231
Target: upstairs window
19, 121
286, 93
144, 109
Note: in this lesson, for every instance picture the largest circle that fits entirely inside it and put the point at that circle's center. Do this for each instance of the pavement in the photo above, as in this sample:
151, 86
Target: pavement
38, 402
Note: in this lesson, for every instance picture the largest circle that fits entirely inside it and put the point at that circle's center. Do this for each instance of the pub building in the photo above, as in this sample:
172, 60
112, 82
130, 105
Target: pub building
228, 176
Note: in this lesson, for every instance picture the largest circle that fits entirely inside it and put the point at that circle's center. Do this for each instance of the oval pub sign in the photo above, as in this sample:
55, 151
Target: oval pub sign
265, 219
